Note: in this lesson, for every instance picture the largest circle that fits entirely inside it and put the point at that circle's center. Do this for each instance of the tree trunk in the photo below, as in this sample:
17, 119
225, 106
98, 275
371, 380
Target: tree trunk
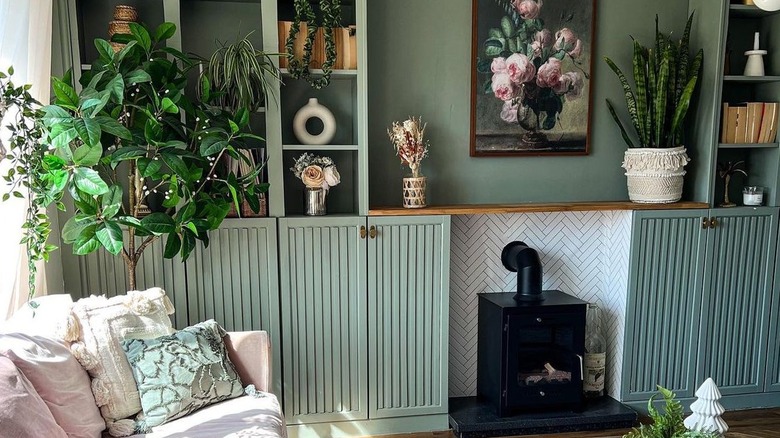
131, 265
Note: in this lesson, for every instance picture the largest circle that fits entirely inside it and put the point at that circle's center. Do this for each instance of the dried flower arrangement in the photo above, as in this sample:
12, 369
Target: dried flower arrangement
409, 144
316, 172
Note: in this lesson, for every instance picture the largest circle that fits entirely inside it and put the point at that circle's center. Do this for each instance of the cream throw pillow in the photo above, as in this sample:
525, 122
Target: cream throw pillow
103, 324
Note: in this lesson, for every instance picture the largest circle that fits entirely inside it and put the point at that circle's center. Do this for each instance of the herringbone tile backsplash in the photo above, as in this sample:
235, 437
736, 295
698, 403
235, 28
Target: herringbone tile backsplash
583, 253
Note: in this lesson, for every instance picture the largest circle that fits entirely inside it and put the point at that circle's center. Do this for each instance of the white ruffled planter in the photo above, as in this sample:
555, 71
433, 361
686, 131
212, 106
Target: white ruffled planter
655, 175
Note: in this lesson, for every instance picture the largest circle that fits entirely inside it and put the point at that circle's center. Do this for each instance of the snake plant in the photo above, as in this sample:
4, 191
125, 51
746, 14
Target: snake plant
665, 77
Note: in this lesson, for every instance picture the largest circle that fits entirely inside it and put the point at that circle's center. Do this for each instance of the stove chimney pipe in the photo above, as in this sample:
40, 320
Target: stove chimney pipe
519, 257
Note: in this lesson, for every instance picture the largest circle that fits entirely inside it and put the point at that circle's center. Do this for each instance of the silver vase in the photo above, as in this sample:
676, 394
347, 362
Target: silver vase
314, 200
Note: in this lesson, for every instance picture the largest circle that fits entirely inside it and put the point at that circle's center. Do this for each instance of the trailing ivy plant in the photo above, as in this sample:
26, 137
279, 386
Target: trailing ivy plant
122, 140
665, 78
331, 19
668, 424
28, 159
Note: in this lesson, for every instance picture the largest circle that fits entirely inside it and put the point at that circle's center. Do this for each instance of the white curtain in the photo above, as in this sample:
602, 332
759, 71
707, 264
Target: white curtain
25, 44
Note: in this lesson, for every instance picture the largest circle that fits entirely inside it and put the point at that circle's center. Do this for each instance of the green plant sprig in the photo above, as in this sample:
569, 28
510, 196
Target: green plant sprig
331, 19
664, 82
668, 424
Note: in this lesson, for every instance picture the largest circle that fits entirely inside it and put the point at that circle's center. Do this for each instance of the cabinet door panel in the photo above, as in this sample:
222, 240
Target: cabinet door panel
735, 317
408, 296
235, 282
323, 261
664, 298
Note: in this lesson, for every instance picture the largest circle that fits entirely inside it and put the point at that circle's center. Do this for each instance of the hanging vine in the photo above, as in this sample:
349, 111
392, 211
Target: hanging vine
331, 19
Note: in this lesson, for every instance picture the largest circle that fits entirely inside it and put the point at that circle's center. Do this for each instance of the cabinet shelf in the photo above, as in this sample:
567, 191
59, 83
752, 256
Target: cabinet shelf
320, 147
751, 79
318, 72
747, 145
749, 11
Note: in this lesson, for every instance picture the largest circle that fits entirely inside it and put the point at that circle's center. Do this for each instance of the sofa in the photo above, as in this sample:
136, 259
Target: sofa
46, 392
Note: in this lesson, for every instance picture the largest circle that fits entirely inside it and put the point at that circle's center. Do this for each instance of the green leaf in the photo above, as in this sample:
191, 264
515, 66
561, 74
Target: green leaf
159, 223
164, 31
112, 201
116, 86
54, 115
61, 139
66, 95
89, 181
242, 117
104, 50
110, 236
176, 164
141, 35
113, 127
53, 162
640, 79
188, 244
233, 127
623, 132
212, 145
75, 226
628, 93
148, 167
137, 77
88, 130
86, 242
205, 88
125, 51
169, 107
127, 153
507, 27
494, 46
172, 246
88, 155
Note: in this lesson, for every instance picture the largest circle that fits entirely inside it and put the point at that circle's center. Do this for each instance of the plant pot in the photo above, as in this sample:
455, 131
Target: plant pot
118, 27
655, 175
314, 201
414, 192
125, 13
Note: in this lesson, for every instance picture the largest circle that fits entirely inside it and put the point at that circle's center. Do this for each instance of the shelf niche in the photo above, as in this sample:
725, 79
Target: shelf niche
341, 199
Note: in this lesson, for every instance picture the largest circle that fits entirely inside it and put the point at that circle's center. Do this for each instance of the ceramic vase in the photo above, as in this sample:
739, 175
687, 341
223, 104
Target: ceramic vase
316, 110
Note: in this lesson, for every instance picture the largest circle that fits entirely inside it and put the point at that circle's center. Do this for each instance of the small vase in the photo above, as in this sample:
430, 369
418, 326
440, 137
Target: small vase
315, 110
414, 192
529, 120
314, 200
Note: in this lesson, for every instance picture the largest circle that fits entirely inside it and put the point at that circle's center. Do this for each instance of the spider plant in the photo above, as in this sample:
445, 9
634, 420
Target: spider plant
239, 75
664, 79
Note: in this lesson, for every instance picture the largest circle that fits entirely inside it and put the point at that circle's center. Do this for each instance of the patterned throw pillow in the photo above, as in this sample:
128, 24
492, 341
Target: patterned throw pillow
180, 373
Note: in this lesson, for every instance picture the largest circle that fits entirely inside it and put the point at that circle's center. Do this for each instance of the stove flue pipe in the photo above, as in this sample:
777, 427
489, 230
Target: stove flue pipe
519, 257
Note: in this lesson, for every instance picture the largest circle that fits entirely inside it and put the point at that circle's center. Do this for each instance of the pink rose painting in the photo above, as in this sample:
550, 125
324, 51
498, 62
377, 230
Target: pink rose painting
532, 89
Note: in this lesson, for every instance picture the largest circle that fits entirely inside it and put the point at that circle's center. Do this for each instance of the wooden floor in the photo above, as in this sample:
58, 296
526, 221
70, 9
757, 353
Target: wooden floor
759, 423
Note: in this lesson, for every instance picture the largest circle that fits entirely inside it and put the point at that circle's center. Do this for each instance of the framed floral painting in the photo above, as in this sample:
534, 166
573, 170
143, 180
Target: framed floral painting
530, 88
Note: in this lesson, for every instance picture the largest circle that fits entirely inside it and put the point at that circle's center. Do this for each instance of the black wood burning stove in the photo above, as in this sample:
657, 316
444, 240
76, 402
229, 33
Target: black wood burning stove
530, 351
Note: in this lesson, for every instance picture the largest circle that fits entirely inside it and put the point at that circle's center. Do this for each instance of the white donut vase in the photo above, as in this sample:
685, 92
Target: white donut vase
314, 109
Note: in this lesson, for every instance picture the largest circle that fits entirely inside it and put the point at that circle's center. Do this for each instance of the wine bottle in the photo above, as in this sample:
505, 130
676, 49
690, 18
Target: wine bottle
595, 355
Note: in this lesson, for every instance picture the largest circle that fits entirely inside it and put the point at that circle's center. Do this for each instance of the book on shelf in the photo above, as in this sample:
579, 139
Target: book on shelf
749, 122
343, 38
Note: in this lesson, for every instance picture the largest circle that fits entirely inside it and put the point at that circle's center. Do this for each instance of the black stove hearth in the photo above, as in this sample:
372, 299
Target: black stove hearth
530, 353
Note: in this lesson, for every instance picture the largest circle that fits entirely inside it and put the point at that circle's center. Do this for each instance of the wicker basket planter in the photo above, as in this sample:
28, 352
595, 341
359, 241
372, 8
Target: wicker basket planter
414, 192
125, 13
655, 175
118, 27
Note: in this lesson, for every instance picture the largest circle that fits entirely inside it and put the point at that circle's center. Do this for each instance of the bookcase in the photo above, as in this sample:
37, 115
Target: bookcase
761, 159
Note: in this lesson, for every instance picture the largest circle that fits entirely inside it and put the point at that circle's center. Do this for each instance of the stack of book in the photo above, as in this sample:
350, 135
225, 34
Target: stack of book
343, 37
751, 122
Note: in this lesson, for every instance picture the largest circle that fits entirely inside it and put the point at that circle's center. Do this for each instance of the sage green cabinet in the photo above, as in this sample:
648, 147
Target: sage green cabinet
700, 284
365, 323
408, 300
323, 265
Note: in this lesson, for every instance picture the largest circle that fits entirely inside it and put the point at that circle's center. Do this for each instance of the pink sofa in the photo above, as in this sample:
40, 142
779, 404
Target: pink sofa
245, 416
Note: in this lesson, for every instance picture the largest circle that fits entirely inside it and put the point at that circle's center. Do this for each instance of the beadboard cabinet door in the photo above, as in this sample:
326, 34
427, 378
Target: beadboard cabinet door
408, 301
735, 308
235, 282
663, 308
322, 266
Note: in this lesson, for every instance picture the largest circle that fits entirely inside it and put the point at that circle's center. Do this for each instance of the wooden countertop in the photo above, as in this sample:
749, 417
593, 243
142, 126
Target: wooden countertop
530, 208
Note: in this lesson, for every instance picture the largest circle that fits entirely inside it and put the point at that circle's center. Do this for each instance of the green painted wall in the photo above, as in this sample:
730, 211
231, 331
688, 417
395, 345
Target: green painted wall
419, 64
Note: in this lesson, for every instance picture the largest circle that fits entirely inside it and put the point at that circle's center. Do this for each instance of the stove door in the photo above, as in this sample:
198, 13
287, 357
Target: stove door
543, 361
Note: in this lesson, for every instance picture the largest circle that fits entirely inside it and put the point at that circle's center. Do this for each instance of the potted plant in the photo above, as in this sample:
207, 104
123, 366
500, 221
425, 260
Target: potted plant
664, 80
239, 76
668, 424
122, 141
411, 148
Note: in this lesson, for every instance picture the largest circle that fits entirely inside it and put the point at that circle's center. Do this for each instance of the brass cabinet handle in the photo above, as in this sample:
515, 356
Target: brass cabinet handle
713, 222
372, 232
362, 232
705, 223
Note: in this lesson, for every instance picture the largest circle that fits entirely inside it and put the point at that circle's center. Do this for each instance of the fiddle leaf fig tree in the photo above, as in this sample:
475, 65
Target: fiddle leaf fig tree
131, 139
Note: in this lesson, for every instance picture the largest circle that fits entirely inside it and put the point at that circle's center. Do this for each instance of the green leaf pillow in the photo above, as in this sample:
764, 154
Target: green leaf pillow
180, 373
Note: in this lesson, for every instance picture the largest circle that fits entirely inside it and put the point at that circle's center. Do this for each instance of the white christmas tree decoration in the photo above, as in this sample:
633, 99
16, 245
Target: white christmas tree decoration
707, 410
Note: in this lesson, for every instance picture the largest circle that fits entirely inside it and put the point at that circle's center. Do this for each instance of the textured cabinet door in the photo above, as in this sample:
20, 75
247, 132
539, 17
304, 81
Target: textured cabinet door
773, 352
735, 311
664, 303
235, 282
322, 266
408, 299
